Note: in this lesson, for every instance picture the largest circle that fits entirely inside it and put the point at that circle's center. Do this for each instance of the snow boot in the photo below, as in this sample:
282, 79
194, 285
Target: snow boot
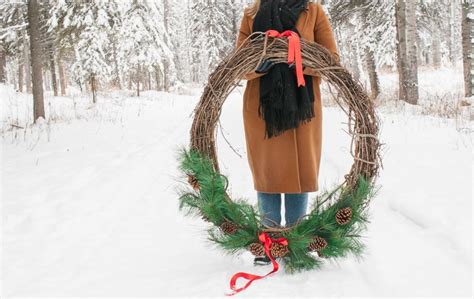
261, 260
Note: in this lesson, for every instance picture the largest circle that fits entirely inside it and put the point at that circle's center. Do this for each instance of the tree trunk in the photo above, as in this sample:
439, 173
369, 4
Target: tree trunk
20, 76
412, 53
353, 55
166, 64
235, 18
145, 80
166, 76
138, 88
467, 50
157, 79
93, 89
401, 48
36, 63
148, 80
52, 65
3, 63
452, 30
50, 51
436, 44
372, 71
62, 75
137, 80
116, 79
46, 80
370, 66
27, 63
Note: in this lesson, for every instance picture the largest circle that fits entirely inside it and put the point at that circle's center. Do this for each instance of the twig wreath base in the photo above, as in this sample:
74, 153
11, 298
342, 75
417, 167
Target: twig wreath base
336, 219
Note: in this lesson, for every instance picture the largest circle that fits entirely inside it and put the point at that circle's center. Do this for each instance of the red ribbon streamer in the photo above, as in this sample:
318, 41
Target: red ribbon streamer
267, 242
294, 51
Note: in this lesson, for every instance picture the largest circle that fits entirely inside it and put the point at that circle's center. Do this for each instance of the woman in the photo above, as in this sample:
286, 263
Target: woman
283, 120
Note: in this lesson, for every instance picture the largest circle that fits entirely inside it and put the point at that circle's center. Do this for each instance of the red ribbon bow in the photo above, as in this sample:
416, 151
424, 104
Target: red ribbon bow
267, 242
294, 51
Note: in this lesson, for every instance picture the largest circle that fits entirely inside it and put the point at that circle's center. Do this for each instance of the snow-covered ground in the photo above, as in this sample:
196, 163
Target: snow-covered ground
89, 204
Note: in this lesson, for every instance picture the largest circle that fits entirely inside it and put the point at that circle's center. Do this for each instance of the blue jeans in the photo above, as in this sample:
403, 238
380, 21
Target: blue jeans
269, 205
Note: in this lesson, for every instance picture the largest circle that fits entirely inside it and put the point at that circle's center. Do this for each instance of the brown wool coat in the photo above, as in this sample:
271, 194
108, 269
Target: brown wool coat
288, 163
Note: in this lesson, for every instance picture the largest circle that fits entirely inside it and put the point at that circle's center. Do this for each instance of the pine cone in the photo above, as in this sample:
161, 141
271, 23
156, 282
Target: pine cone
228, 227
317, 244
192, 180
257, 249
278, 250
343, 216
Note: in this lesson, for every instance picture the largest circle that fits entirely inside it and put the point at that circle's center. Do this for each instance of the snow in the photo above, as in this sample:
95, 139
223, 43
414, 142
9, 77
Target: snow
89, 204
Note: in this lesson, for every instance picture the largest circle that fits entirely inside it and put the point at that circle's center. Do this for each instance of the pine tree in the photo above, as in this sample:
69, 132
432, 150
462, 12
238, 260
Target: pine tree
14, 40
468, 48
198, 40
142, 48
431, 26
219, 31
36, 63
87, 25
170, 25
48, 43
412, 53
176, 22
368, 37
212, 35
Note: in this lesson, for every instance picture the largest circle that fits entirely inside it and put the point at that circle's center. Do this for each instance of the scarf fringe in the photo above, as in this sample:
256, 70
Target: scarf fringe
278, 121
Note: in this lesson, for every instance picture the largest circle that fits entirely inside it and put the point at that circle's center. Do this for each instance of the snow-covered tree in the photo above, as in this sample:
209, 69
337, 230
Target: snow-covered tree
176, 22
36, 59
468, 47
142, 48
219, 31
14, 39
198, 39
431, 26
88, 23
91, 65
212, 35
368, 38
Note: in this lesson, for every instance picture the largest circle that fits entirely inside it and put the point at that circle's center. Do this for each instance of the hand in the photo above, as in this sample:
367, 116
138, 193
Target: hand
264, 66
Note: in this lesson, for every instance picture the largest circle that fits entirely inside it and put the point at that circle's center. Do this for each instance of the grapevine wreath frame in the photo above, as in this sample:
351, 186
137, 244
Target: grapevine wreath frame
338, 217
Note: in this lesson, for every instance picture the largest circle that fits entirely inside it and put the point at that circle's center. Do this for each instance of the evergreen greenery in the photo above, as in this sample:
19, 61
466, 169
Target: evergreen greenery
211, 201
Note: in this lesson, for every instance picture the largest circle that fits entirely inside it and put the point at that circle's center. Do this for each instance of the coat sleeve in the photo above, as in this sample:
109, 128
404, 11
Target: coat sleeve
244, 32
323, 35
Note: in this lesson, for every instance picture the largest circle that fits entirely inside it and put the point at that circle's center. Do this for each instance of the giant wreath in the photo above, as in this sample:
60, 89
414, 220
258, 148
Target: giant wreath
337, 217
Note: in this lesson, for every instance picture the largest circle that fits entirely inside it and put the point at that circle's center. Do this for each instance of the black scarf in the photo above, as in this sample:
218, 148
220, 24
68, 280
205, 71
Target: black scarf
282, 103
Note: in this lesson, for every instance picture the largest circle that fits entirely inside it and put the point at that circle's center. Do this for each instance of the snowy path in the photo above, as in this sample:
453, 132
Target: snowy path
93, 211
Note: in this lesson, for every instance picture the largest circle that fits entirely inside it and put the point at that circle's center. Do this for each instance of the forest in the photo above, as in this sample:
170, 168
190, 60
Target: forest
164, 45
97, 97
